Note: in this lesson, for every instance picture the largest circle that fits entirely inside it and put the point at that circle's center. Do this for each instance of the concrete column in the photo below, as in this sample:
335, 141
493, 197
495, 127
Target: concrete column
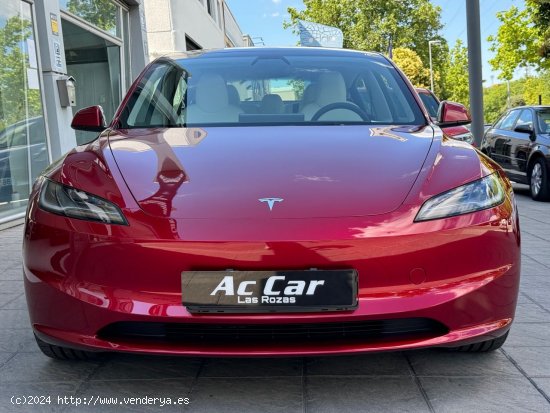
139, 49
160, 30
52, 57
475, 69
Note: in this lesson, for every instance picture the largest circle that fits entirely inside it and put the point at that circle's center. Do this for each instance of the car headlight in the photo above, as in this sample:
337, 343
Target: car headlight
464, 137
73, 203
475, 196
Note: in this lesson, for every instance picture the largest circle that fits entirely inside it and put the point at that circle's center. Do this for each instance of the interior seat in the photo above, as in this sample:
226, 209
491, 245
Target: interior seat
212, 102
309, 96
272, 104
331, 88
233, 95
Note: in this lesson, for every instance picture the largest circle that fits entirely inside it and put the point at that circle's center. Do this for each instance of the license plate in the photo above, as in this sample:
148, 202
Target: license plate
269, 291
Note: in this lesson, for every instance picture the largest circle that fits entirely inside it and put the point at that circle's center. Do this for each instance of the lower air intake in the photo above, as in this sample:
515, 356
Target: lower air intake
195, 333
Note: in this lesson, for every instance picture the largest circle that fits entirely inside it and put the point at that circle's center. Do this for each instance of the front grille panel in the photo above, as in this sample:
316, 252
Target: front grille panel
195, 333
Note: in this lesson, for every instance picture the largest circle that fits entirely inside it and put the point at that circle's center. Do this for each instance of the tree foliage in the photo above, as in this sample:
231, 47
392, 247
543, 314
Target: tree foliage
535, 86
494, 102
495, 98
411, 65
541, 18
17, 101
101, 13
298, 86
522, 39
522, 91
516, 101
368, 25
456, 70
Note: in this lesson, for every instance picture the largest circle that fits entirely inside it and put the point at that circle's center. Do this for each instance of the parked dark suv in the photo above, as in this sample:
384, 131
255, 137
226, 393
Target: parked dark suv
520, 142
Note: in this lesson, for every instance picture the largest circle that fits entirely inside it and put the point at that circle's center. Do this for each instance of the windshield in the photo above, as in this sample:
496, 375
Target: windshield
430, 102
544, 120
270, 89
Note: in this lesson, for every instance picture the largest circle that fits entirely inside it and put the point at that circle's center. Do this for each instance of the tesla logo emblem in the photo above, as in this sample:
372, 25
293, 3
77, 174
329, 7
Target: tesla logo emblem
270, 201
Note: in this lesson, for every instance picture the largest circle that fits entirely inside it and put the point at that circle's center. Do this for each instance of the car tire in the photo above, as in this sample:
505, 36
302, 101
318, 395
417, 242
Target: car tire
484, 346
65, 353
538, 181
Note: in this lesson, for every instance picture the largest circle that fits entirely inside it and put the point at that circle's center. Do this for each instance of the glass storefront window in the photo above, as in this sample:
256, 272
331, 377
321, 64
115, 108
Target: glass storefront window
104, 14
23, 148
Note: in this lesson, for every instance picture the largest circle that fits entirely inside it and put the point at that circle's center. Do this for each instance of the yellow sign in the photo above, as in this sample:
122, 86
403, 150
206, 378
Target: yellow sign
54, 24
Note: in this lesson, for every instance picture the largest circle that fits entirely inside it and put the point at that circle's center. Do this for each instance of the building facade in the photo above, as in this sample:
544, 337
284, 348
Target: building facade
184, 25
99, 46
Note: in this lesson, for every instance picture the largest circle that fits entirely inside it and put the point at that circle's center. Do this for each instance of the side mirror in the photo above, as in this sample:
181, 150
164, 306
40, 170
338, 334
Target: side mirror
89, 119
528, 129
452, 114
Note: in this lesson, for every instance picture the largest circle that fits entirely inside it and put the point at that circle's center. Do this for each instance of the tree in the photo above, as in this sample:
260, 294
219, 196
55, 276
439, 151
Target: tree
298, 86
456, 69
17, 101
495, 98
535, 86
494, 102
541, 18
101, 13
520, 41
516, 101
411, 65
368, 25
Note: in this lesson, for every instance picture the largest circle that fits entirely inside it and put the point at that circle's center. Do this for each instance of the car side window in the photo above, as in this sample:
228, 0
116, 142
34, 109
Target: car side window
381, 97
178, 100
508, 121
497, 124
158, 98
526, 118
361, 91
432, 105
544, 121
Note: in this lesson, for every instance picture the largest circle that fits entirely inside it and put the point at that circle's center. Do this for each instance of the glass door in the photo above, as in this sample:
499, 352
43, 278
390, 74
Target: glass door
95, 34
95, 63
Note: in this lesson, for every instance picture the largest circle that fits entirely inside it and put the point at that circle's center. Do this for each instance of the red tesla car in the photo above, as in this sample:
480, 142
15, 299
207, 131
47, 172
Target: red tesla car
277, 201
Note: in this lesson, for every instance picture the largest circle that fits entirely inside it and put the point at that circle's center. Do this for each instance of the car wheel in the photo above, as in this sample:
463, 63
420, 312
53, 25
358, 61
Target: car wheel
540, 189
484, 346
64, 353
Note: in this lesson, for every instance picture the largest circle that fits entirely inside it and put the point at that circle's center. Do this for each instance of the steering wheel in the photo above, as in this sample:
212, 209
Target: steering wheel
341, 105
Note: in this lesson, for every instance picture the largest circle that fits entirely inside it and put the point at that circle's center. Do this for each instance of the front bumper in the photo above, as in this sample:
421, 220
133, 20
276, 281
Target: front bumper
80, 279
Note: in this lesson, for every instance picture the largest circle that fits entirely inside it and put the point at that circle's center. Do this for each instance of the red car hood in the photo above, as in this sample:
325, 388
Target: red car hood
318, 171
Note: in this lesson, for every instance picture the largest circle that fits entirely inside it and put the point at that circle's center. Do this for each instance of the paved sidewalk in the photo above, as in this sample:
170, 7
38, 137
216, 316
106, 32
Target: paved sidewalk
514, 379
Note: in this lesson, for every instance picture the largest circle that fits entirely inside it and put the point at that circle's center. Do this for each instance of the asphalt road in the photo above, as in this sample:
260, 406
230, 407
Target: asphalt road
515, 378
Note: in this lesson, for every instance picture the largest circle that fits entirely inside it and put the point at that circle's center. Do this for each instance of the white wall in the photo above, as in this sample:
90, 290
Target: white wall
158, 21
232, 30
191, 17
169, 21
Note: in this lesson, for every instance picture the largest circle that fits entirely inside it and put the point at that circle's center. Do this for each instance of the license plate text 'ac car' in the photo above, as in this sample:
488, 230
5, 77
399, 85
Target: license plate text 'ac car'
269, 291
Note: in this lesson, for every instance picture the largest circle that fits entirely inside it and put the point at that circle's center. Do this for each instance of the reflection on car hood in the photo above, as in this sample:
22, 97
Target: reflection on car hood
317, 171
